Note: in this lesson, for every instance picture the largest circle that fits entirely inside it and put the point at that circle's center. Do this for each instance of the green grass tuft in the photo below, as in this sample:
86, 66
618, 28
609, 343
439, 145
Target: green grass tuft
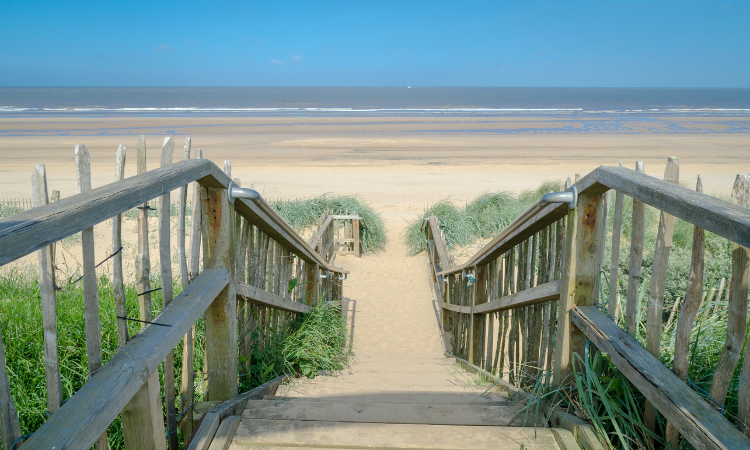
482, 218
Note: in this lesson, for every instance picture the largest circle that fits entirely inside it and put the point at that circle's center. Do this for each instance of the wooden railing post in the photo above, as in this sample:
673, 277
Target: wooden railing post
221, 316
582, 262
476, 320
355, 235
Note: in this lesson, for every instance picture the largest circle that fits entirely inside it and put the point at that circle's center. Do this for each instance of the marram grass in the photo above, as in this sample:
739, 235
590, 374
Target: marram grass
303, 214
315, 342
482, 218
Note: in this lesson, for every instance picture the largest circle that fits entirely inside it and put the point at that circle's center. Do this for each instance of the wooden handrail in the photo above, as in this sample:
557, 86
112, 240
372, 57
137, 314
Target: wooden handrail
539, 294
720, 217
710, 213
86, 415
260, 297
31, 230
698, 422
28, 231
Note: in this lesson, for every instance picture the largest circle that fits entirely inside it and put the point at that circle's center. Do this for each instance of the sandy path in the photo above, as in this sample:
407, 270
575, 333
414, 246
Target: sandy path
390, 304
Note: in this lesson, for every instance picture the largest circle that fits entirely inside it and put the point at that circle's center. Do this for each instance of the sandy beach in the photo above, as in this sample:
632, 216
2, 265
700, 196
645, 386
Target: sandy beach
398, 164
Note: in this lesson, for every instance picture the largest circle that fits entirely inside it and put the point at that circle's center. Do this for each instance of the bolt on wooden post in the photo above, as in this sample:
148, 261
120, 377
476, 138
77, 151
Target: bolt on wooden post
221, 316
583, 256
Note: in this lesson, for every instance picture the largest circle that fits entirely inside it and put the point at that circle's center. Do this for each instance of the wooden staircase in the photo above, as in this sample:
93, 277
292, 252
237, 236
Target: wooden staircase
427, 403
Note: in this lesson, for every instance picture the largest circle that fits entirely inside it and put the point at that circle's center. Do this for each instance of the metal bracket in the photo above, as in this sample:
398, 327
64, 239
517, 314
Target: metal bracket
344, 277
235, 191
570, 197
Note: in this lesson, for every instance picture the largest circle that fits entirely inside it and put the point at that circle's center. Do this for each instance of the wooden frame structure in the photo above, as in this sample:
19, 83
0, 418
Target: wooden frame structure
257, 275
537, 282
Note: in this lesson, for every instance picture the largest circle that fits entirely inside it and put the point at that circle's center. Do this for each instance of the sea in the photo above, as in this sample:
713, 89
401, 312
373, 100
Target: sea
372, 101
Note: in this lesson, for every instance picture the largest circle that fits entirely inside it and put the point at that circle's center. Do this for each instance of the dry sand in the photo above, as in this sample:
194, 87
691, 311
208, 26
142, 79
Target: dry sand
398, 164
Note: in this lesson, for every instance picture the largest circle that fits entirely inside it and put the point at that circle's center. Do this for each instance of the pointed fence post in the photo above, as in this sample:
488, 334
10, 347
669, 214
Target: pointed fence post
92, 322
49, 301
142, 418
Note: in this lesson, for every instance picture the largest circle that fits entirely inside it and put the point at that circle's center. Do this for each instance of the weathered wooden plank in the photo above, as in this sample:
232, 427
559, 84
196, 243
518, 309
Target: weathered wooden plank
688, 314
221, 316
225, 433
737, 306
582, 265
539, 294
181, 255
49, 301
457, 308
258, 296
88, 413
118, 286
695, 419
615, 259
637, 233
717, 216
31, 230
206, 432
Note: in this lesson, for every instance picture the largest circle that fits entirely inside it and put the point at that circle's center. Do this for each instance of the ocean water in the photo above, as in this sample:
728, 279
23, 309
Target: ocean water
368, 101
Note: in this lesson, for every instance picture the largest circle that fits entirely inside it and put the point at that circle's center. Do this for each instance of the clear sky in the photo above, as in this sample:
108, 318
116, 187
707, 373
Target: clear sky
376, 43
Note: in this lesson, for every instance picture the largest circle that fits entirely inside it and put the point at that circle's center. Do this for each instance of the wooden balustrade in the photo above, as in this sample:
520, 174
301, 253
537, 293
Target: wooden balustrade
257, 274
538, 284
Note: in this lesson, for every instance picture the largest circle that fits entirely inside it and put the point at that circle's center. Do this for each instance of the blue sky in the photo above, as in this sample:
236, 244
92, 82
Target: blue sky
376, 43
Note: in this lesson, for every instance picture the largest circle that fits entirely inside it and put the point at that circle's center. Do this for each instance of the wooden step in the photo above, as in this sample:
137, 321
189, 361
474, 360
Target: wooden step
254, 433
395, 396
337, 411
327, 388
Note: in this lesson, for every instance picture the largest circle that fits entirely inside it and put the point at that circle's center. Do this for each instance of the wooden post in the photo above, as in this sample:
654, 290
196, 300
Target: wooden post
165, 262
187, 388
355, 233
49, 301
658, 282
637, 234
221, 316
10, 428
615, 261
690, 308
142, 420
118, 286
181, 222
195, 238
583, 255
737, 306
478, 296
90, 293
740, 255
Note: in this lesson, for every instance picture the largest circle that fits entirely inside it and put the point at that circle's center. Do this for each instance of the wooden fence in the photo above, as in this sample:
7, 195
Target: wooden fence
20, 203
255, 274
337, 234
530, 299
